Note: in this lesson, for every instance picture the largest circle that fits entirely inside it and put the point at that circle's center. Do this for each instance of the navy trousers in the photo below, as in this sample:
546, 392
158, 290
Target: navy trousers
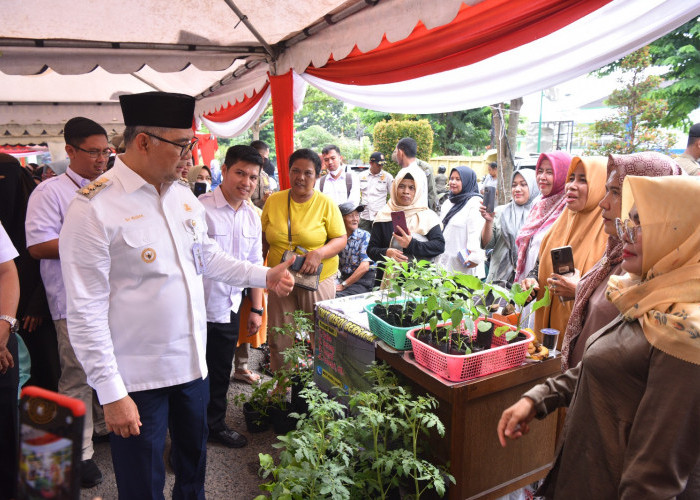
221, 347
138, 460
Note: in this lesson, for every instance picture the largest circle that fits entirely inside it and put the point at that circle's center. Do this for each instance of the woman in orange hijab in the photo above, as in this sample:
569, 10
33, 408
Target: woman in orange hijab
579, 226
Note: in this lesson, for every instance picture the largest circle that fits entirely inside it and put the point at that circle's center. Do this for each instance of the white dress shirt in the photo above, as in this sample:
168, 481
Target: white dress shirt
7, 249
374, 191
46, 210
136, 314
239, 234
338, 188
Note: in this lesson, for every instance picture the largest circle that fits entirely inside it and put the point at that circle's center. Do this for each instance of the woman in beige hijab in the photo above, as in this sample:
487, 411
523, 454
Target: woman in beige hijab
634, 400
424, 240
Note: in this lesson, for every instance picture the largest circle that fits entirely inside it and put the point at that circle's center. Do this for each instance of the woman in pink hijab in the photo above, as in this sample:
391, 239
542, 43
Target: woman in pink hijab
551, 177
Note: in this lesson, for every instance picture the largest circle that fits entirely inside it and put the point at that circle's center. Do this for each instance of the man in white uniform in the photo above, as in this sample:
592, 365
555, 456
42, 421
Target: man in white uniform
134, 249
339, 183
235, 225
88, 150
375, 187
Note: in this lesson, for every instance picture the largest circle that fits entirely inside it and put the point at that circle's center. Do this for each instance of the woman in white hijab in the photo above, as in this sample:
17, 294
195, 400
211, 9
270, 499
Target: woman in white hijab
501, 227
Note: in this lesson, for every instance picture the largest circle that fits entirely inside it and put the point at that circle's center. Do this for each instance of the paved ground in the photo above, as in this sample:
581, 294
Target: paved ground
231, 473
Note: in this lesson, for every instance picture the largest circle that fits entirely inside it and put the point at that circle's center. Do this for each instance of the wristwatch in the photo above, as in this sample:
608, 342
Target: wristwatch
345, 284
259, 312
14, 324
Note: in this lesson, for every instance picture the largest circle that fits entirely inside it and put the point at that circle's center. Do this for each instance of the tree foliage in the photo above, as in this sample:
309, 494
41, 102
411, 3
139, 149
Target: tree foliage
633, 125
327, 112
679, 53
388, 133
455, 133
461, 132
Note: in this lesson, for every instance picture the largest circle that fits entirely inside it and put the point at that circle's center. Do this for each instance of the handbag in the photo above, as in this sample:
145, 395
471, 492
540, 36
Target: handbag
305, 281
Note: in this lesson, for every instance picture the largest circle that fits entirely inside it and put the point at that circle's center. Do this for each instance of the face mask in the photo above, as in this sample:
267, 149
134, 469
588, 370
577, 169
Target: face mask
208, 183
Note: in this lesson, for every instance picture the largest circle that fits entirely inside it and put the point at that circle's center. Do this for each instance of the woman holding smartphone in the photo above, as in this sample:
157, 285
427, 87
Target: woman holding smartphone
580, 226
501, 227
462, 225
423, 240
633, 401
591, 311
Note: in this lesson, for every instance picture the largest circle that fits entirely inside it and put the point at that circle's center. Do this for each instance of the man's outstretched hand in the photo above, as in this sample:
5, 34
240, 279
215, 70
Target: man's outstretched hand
279, 279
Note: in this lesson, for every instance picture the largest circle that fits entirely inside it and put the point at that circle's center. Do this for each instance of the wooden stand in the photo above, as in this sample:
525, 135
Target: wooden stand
471, 411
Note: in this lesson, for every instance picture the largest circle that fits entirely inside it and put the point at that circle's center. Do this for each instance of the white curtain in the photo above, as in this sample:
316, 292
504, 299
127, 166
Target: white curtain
603, 36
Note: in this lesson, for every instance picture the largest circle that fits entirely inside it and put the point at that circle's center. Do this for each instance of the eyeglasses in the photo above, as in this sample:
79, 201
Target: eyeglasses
627, 228
185, 148
95, 153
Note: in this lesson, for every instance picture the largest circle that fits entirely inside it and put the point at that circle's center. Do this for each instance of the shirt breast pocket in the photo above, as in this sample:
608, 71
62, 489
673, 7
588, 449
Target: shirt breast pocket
140, 244
249, 238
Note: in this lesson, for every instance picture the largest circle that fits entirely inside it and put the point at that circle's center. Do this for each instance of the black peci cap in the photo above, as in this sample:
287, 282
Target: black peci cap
158, 109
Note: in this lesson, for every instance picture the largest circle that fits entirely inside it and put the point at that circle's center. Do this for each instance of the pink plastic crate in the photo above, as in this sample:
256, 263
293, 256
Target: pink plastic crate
459, 368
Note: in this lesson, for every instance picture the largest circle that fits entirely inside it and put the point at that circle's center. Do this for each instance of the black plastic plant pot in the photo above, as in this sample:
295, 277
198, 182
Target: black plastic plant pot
282, 423
484, 334
520, 336
254, 420
299, 404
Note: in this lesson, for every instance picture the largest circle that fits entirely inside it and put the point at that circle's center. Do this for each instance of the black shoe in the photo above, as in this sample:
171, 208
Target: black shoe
90, 475
228, 437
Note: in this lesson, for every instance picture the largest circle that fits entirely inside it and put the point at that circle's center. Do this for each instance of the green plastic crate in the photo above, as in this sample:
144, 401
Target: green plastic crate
395, 336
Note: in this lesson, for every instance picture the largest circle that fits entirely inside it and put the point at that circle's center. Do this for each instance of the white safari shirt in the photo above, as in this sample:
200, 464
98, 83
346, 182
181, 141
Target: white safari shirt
136, 312
374, 189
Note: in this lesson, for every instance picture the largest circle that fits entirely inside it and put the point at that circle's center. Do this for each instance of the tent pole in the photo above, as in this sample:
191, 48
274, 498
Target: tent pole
252, 29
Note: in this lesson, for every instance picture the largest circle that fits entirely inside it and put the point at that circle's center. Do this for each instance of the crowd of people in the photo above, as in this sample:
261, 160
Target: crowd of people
140, 290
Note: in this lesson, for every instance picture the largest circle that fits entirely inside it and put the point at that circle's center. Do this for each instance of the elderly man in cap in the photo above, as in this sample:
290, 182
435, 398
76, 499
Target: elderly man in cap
134, 249
688, 160
356, 276
375, 186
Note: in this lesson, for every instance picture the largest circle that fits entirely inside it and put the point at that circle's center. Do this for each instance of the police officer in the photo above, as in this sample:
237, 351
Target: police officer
375, 186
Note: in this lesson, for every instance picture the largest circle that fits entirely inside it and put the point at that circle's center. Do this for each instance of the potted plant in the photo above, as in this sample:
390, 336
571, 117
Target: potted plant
398, 308
255, 407
369, 451
461, 306
518, 299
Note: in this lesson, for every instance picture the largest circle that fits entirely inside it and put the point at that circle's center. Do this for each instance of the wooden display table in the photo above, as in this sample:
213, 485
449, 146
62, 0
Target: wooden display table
471, 411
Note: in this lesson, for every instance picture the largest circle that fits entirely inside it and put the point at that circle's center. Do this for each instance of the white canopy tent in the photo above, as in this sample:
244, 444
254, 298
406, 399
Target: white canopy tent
59, 60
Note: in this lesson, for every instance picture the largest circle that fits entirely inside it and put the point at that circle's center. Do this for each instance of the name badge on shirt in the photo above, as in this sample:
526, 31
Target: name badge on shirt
198, 254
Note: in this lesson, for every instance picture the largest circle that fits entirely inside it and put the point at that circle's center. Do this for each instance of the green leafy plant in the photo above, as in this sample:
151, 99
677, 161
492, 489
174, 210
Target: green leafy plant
366, 450
519, 298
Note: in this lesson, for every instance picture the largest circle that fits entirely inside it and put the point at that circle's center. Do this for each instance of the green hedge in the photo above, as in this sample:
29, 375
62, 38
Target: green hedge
388, 133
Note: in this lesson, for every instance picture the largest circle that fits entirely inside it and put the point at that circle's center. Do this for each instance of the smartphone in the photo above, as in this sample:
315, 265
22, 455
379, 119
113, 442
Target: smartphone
563, 260
490, 199
51, 441
200, 188
399, 220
